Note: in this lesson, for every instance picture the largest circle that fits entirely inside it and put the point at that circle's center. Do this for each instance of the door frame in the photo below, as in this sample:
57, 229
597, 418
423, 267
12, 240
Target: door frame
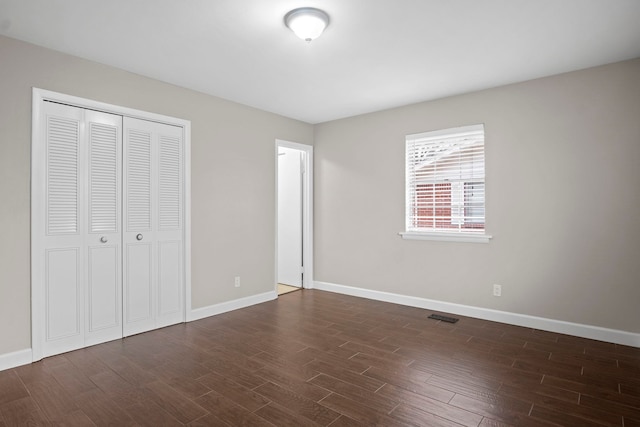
39, 96
307, 211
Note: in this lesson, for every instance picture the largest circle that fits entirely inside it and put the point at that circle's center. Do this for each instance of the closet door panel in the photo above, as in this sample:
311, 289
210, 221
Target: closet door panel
62, 231
153, 197
137, 236
104, 211
170, 225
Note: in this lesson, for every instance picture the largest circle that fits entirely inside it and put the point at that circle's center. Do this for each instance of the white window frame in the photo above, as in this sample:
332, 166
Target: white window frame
441, 234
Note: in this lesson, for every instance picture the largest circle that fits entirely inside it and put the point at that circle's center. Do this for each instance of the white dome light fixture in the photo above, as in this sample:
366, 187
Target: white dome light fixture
307, 22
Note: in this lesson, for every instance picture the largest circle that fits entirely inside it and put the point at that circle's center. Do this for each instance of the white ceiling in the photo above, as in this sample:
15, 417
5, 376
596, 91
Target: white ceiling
374, 55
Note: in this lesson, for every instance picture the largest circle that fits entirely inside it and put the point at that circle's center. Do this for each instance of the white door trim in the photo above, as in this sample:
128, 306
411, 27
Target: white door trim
39, 96
307, 214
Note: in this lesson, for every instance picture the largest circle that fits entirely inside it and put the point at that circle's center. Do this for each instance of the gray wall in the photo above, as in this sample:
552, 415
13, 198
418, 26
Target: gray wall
233, 176
563, 177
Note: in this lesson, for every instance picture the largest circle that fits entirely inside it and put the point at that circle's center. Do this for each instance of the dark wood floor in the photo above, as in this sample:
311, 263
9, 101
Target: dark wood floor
317, 358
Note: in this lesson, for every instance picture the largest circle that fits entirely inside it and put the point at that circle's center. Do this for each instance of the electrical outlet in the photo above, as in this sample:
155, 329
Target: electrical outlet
236, 281
497, 290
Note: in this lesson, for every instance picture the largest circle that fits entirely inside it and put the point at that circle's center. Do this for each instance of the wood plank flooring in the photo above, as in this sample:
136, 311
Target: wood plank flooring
315, 358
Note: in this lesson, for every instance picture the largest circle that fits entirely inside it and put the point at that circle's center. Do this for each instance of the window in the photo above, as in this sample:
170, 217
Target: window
445, 185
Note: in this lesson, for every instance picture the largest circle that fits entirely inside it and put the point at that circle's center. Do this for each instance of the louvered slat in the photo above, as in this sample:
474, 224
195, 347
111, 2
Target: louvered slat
103, 203
62, 171
139, 181
170, 194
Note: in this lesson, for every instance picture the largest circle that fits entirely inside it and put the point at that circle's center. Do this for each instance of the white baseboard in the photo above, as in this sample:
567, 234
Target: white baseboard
551, 325
17, 358
223, 307
24, 357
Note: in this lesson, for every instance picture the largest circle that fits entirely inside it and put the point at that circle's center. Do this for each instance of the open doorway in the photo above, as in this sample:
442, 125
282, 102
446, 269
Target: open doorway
293, 216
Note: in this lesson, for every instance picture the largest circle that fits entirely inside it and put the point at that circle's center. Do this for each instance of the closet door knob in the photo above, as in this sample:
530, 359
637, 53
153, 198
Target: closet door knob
139, 237
104, 239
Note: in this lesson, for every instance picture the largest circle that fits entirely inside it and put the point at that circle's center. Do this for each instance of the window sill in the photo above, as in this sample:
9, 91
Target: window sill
446, 237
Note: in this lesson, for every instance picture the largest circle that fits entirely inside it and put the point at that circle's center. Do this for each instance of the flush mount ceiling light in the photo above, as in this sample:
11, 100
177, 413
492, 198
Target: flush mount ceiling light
307, 22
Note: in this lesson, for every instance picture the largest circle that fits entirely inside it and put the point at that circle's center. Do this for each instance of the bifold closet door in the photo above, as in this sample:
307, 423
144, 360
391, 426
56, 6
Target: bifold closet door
153, 280
77, 172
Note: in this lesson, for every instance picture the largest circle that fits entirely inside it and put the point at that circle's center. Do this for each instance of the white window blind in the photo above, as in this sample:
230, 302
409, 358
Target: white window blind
445, 189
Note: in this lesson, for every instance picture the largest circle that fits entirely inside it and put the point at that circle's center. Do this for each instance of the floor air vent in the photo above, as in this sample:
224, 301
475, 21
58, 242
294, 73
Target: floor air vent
443, 318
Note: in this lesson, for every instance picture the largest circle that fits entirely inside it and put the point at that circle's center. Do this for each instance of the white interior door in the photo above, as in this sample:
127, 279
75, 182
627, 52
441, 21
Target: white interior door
290, 169
78, 236
153, 225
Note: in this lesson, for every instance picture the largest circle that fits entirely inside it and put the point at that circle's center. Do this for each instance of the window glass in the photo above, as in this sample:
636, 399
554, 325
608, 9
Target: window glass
445, 181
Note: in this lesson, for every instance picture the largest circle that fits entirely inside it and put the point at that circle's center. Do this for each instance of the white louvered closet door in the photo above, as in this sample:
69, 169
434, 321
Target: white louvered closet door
153, 225
79, 175
104, 227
